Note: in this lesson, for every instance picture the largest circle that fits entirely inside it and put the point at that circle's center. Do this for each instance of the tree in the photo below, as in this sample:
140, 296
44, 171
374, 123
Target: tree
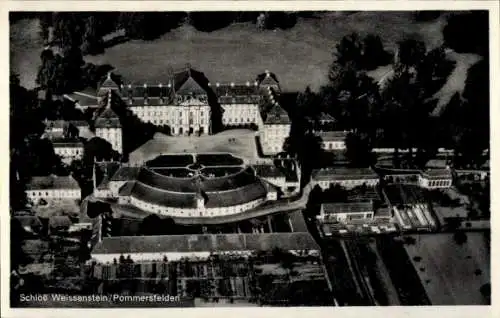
460, 237
433, 71
460, 117
68, 28
374, 54
92, 40
72, 63
47, 70
485, 291
151, 225
358, 150
307, 103
45, 23
411, 52
349, 50
307, 148
148, 25
468, 32
97, 149
261, 21
426, 15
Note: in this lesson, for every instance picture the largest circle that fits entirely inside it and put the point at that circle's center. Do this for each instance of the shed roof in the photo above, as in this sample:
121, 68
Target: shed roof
205, 243
343, 174
347, 207
437, 174
52, 182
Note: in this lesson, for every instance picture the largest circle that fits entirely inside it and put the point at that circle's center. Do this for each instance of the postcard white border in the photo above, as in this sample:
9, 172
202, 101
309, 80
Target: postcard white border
385, 312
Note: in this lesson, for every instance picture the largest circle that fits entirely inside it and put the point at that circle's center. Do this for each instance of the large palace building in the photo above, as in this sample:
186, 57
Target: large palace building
185, 102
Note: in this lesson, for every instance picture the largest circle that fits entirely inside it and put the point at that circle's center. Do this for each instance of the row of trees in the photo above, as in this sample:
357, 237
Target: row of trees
66, 72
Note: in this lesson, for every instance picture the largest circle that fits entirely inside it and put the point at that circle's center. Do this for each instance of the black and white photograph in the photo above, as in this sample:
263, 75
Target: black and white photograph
249, 158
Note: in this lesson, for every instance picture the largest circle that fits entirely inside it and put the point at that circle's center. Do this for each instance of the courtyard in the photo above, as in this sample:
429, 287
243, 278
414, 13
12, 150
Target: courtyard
239, 142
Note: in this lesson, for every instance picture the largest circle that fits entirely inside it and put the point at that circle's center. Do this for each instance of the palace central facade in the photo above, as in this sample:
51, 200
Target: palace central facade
187, 100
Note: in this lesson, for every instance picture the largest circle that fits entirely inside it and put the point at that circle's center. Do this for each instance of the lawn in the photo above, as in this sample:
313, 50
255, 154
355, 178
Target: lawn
452, 274
299, 56
456, 80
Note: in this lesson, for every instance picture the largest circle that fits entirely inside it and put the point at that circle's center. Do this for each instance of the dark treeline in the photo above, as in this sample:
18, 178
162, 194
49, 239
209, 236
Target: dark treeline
398, 111
88, 29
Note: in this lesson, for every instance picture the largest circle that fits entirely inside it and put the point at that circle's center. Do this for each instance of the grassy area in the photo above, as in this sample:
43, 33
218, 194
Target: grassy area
299, 56
456, 80
451, 274
25, 49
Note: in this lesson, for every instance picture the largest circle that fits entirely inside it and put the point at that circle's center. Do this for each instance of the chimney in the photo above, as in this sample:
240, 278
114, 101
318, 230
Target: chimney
188, 68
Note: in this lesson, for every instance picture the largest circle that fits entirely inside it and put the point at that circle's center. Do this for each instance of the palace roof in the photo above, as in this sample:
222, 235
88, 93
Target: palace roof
332, 135
205, 243
190, 81
277, 116
155, 94
237, 94
125, 173
65, 143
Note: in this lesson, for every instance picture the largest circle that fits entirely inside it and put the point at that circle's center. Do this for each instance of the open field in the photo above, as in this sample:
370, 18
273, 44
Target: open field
306, 49
452, 274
